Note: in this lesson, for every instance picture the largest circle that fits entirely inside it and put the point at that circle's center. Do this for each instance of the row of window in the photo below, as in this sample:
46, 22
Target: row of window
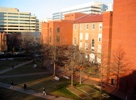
86, 45
57, 30
87, 26
87, 36
57, 39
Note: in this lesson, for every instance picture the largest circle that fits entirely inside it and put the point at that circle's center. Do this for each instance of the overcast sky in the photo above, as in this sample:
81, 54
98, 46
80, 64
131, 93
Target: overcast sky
44, 8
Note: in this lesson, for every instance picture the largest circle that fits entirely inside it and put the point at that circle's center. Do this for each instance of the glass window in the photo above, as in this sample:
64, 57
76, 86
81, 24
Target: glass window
81, 36
99, 48
81, 26
86, 46
100, 26
99, 37
74, 41
80, 45
92, 42
74, 26
86, 36
58, 39
58, 30
50, 38
50, 30
93, 26
87, 26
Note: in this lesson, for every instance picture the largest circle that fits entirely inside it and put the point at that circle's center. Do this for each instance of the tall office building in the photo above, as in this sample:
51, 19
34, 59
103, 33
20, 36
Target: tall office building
92, 7
13, 21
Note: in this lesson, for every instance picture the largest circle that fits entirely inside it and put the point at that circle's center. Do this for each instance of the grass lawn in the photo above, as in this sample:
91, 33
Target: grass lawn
24, 79
64, 93
8, 63
6, 94
26, 69
37, 82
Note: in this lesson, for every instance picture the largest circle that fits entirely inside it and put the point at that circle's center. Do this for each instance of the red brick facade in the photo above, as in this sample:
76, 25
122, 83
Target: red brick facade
119, 34
59, 30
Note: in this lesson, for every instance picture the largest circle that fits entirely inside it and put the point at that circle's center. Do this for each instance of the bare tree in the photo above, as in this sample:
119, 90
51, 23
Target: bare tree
29, 44
120, 64
13, 41
76, 61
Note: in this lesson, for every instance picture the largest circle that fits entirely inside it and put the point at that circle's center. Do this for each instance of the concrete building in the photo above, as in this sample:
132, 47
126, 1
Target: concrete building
87, 34
92, 7
59, 32
13, 21
119, 45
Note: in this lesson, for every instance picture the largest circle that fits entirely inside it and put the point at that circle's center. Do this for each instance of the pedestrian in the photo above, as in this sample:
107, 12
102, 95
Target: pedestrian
25, 87
44, 93
11, 86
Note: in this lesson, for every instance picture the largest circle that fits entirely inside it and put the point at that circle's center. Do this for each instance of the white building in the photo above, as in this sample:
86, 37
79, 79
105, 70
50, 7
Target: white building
92, 7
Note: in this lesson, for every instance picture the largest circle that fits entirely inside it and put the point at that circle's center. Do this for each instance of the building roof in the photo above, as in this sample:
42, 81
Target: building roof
89, 18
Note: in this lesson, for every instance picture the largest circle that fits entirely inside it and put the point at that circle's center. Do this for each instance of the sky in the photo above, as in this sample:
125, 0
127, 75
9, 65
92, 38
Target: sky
43, 9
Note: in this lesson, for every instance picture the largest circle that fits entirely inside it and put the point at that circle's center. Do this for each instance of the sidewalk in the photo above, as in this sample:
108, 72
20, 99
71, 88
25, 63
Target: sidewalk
19, 75
19, 65
32, 92
110, 89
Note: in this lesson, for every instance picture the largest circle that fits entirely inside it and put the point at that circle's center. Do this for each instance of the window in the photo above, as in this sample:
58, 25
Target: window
50, 38
50, 30
81, 36
74, 42
92, 47
92, 42
80, 45
100, 26
99, 48
87, 26
86, 36
57, 39
99, 37
74, 26
86, 46
93, 26
58, 30
81, 26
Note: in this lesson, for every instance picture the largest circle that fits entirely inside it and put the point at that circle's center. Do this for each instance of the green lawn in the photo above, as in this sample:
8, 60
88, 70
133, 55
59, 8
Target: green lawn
24, 79
8, 63
6, 94
26, 69
37, 82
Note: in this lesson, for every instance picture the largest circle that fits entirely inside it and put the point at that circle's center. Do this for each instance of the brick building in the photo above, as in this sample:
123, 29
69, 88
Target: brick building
59, 30
87, 34
119, 34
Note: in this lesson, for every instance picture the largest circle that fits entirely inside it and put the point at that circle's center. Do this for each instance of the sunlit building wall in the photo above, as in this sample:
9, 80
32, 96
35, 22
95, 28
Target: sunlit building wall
11, 21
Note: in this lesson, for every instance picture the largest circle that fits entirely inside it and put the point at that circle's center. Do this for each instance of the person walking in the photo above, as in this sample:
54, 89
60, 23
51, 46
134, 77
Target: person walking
25, 87
44, 93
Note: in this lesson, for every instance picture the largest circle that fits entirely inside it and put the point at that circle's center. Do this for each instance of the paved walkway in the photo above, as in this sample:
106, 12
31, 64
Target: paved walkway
19, 75
16, 66
29, 91
32, 92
